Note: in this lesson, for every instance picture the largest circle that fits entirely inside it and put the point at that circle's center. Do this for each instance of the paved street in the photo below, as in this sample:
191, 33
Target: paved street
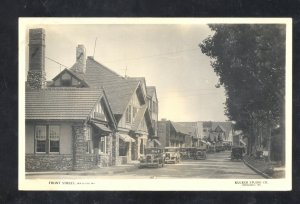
217, 166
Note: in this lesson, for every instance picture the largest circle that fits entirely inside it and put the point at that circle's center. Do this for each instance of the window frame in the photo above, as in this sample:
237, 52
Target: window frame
36, 140
49, 143
47, 139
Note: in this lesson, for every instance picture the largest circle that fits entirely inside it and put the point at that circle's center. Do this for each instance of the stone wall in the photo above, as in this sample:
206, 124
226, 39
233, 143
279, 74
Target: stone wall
82, 160
115, 150
43, 162
36, 79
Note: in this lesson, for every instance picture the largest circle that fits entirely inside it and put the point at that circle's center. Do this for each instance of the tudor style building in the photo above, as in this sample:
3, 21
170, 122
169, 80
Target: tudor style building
69, 126
127, 99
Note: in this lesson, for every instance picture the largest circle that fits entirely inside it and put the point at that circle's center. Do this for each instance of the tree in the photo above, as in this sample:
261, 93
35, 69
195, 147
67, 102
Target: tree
250, 63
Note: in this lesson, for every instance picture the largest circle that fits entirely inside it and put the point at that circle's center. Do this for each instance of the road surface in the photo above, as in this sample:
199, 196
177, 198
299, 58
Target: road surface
216, 166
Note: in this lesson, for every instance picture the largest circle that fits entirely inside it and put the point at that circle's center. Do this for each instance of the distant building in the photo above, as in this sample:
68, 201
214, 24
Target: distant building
172, 134
193, 130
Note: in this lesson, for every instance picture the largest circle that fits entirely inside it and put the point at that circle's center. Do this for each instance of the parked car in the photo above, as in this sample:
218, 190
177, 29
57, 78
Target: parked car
200, 153
172, 155
154, 157
237, 152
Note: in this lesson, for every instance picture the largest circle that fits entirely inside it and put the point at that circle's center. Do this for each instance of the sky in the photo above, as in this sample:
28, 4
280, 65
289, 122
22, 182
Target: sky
167, 55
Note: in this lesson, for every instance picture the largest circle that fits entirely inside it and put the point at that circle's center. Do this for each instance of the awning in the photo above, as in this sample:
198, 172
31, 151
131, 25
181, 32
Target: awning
157, 142
126, 138
101, 127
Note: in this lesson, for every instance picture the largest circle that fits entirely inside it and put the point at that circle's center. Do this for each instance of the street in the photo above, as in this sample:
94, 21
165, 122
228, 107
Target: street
216, 166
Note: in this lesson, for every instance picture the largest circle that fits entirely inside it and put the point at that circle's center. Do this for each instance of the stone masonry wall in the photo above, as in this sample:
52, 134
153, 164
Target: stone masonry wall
115, 150
36, 162
36, 79
82, 160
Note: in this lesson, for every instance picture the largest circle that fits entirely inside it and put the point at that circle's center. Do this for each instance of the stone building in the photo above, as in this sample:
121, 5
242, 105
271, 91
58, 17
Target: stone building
69, 126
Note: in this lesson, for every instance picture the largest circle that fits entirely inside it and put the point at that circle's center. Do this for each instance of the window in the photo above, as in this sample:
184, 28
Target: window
128, 114
102, 145
54, 138
47, 138
40, 138
88, 140
154, 125
66, 80
142, 147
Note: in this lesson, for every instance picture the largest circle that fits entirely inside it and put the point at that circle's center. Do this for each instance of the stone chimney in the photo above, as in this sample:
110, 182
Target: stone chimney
80, 65
36, 77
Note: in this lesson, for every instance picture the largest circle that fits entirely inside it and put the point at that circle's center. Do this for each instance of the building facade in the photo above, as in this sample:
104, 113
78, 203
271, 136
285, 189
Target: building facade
172, 134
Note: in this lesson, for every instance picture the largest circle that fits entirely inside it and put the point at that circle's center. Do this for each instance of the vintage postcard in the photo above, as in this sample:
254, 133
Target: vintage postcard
155, 104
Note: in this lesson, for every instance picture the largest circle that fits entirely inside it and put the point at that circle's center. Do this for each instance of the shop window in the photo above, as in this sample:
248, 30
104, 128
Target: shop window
123, 148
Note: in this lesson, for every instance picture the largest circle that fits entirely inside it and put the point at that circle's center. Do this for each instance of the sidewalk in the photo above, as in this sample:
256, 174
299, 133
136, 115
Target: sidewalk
97, 171
266, 169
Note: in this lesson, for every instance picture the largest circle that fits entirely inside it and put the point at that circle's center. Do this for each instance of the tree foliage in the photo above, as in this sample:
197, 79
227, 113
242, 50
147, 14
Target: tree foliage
250, 62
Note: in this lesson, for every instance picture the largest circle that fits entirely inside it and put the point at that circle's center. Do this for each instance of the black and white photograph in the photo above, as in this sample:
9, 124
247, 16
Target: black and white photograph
155, 104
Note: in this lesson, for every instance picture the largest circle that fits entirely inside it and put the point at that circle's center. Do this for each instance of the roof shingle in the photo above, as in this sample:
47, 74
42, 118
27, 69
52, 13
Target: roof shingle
60, 103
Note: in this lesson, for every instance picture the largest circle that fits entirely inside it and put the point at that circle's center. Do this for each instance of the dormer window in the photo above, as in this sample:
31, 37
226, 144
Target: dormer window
66, 79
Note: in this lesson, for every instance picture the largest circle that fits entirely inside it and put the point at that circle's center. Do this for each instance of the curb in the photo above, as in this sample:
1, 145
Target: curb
84, 173
256, 170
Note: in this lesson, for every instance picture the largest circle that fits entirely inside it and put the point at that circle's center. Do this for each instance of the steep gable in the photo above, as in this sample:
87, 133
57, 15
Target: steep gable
118, 90
68, 78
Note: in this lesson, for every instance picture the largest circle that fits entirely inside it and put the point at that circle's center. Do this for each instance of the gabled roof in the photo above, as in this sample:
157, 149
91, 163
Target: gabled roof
221, 127
78, 76
61, 103
180, 128
151, 90
118, 89
190, 127
227, 126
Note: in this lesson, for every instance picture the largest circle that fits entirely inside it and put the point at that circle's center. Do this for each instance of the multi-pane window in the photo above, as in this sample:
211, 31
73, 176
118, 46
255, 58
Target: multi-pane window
40, 138
54, 138
47, 138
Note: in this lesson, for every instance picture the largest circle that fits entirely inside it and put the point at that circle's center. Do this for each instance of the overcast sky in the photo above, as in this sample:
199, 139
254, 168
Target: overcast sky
168, 57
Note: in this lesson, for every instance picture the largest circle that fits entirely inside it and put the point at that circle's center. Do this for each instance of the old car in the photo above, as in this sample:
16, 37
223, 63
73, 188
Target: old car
200, 153
172, 155
184, 153
154, 157
237, 152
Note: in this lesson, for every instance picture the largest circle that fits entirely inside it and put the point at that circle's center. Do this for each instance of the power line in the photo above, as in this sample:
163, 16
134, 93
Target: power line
56, 62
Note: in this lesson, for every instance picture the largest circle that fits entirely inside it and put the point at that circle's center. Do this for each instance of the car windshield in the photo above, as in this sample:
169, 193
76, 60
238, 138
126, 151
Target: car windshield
152, 151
